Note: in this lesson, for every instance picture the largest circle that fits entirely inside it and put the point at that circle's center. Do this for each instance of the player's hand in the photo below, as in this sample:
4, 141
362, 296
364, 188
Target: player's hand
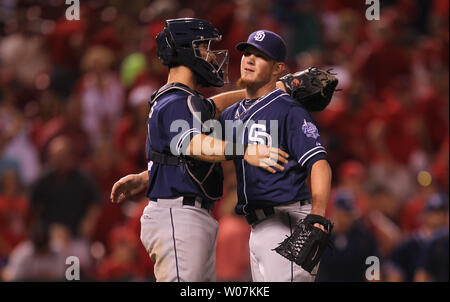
321, 212
266, 157
318, 225
280, 85
126, 187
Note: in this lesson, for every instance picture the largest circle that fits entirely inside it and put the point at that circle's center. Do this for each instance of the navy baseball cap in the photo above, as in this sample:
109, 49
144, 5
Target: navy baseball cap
266, 41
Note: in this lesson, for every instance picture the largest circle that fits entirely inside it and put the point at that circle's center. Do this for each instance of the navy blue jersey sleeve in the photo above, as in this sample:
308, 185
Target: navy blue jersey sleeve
180, 128
303, 138
211, 107
221, 121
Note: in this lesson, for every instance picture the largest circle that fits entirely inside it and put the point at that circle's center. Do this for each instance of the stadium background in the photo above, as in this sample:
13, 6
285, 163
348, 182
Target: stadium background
73, 97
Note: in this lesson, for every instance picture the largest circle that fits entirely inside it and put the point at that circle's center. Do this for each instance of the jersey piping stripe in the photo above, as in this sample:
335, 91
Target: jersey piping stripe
305, 154
213, 106
292, 263
243, 136
320, 151
174, 245
184, 136
256, 102
243, 108
245, 193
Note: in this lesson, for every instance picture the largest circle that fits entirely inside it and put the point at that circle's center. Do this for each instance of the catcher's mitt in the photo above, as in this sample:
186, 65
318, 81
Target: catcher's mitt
312, 87
307, 243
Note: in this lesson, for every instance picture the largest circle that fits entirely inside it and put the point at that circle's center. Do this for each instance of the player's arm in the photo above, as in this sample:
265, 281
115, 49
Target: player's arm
226, 99
320, 186
207, 148
129, 185
304, 144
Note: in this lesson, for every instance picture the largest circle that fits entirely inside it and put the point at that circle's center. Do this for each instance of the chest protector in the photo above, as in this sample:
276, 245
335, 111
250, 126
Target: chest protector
208, 176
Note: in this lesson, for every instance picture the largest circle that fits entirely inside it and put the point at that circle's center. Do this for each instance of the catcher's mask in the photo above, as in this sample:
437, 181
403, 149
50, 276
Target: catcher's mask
188, 41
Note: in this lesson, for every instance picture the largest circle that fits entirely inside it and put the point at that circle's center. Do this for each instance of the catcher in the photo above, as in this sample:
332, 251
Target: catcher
279, 207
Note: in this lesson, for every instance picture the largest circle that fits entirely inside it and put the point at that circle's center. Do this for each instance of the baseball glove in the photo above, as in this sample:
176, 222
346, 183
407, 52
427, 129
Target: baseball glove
312, 87
307, 243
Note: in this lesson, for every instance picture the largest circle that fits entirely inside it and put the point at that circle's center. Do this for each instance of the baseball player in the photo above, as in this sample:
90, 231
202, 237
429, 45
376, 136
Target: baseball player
176, 227
274, 203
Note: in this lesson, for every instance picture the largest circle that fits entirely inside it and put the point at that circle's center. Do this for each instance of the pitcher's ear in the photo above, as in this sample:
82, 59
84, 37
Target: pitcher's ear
279, 67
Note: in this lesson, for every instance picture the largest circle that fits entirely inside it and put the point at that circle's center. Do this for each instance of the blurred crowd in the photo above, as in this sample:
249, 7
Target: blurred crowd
73, 110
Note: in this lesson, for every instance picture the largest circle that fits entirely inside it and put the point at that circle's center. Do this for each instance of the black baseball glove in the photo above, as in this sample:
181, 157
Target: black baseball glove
312, 87
307, 243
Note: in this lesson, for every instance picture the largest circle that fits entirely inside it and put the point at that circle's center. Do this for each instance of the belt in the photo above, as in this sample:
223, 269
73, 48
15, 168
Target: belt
195, 201
257, 215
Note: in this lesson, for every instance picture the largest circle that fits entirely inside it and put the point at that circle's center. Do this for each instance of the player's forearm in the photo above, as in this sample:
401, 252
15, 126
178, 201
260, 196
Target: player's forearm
139, 182
226, 99
206, 148
320, 186
129, 185
143, 176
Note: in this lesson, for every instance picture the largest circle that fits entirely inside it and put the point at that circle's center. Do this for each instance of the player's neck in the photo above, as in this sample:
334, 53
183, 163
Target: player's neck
253, 92
182, 74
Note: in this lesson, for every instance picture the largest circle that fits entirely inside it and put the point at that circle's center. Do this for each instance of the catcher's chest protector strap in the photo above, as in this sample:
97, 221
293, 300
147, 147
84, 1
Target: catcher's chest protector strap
169, 87
164, 159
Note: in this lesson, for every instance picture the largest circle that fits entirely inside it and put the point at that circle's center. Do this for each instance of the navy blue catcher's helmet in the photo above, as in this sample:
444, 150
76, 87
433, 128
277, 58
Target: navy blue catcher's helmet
178, 44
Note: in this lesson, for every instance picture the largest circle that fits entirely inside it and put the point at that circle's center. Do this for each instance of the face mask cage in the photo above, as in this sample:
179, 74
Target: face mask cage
218, 59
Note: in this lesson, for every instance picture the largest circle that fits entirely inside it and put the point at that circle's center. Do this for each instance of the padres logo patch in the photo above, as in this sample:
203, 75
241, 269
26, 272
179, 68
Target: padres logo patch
310, 129
260, 36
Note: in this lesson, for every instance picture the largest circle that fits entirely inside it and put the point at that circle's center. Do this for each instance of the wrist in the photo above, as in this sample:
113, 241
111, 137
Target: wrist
320, 212
143, 176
